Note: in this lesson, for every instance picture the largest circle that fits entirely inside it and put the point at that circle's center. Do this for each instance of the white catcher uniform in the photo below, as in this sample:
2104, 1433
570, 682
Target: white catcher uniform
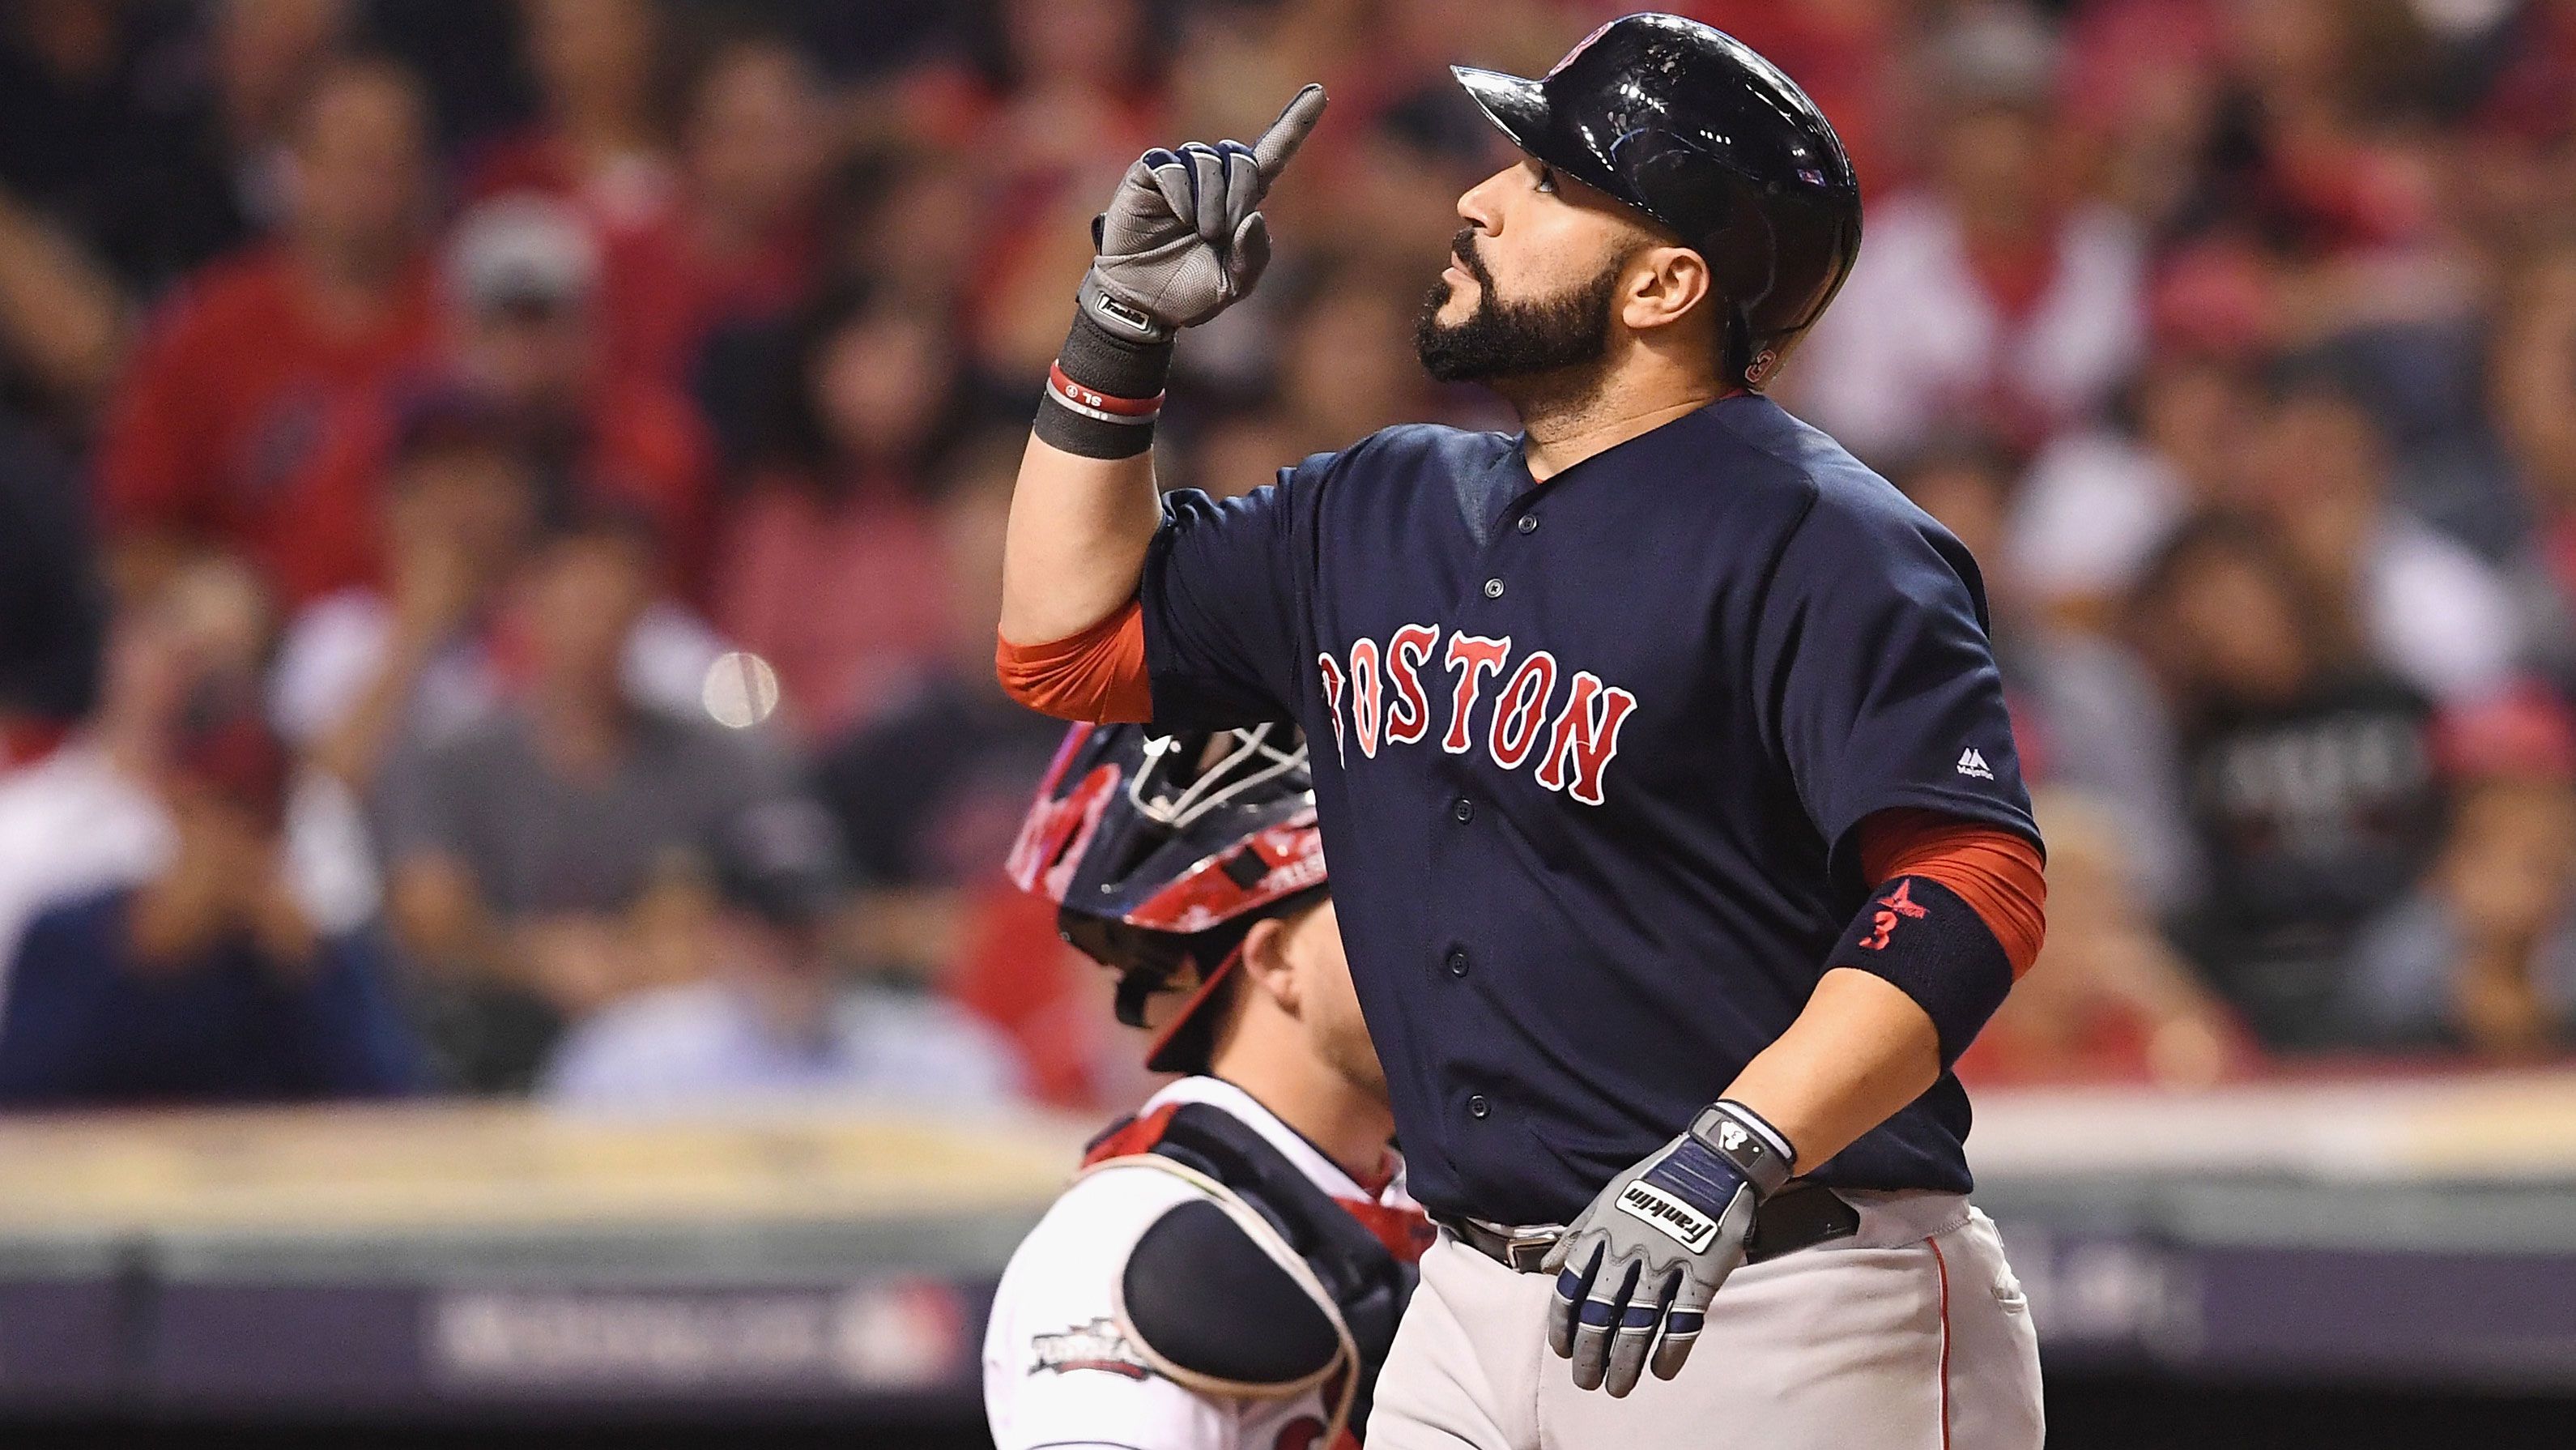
1074, 1353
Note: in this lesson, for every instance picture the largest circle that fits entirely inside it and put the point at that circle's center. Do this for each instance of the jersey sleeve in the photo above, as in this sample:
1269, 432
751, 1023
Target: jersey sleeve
1058, 1372
1221, 598
1880, 676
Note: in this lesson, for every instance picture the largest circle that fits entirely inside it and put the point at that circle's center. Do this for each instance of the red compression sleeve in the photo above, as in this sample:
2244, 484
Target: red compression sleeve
1993, 870
1097, 675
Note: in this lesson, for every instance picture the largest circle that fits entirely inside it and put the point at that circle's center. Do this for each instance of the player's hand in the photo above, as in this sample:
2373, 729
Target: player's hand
1181, 241
1638, 1269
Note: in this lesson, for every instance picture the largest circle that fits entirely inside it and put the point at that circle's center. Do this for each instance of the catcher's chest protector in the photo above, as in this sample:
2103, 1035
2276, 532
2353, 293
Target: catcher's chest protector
1193, 1287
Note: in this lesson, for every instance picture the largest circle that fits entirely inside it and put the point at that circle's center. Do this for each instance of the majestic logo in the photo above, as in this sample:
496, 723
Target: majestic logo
1895, 906
1678, 1221
1098, 1345
1567, 738
1972, 763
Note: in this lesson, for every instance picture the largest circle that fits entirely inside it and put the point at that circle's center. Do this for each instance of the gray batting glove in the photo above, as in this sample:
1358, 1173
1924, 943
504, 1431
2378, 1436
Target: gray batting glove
1181, 241
1639, 1267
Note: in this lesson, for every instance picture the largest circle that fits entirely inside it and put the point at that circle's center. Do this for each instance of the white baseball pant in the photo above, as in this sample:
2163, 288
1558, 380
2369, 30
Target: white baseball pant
1910, 1335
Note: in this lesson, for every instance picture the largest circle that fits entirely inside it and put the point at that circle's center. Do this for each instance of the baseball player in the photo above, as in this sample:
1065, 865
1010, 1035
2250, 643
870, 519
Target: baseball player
1228, 1271
1678, 835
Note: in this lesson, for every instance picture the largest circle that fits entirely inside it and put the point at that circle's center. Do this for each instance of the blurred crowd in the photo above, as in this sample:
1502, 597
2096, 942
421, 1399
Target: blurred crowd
501, 501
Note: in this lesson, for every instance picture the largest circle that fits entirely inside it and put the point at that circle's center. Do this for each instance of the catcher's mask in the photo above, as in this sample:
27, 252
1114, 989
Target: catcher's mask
1162, 851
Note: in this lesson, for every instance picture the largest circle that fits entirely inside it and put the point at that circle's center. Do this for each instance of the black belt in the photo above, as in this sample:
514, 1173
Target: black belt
1799, 1216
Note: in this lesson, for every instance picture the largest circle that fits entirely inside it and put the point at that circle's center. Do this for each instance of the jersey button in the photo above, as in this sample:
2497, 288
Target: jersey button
1528, 524
1493, 589
1456, 961
1477, 1107
1464, 809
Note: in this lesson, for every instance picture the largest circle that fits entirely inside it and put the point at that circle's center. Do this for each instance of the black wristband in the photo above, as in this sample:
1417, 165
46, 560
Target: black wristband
1103, 393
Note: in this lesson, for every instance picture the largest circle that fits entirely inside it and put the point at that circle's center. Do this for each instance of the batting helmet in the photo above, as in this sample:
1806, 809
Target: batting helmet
1690, 126
1160, 854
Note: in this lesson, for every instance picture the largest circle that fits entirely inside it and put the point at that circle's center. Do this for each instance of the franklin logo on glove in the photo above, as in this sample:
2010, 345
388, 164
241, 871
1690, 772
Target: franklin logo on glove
1687, 1226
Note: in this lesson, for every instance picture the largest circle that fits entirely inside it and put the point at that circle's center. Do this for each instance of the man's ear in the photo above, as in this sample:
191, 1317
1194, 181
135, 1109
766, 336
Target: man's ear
1266, 967
1665, 285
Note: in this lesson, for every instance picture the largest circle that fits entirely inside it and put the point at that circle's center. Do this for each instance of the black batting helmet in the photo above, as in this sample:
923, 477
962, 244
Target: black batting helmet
1690, 126
1160, 854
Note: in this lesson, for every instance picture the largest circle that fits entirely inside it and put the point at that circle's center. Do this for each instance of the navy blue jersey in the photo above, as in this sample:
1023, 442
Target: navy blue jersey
1589, 755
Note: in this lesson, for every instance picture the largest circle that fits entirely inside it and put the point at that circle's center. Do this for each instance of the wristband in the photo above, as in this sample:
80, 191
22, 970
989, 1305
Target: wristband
1103, 392
1931, 945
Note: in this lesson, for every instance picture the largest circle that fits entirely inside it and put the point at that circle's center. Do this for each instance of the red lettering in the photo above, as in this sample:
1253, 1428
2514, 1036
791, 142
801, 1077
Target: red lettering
1365, 695
1473, 657
1586, 737
1408, 714
1332, 672
1520, 709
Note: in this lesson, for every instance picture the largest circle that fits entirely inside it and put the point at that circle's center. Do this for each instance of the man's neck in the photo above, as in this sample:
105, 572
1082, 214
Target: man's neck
1568, 424
1344, 1123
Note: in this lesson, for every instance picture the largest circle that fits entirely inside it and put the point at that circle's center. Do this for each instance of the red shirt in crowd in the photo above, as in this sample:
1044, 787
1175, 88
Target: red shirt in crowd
230, 398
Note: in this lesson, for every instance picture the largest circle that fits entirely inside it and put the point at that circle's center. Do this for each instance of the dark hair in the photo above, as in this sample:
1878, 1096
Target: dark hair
796, 436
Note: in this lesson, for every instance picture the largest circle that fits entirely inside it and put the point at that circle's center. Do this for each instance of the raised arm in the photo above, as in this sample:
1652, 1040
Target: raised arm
1181, 241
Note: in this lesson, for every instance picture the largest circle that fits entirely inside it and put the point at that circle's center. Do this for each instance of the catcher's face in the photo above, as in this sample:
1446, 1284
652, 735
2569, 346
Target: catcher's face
1325, 1002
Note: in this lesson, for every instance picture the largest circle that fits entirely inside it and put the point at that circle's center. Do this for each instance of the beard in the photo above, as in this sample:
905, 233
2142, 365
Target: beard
1568, 333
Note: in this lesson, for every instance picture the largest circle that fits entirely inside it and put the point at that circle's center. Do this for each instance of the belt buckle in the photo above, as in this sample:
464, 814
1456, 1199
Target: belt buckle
1525, 1253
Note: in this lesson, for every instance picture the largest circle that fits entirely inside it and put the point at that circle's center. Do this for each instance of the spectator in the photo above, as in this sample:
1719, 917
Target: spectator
601, 140
775, 1020
366, 674
227, 398
832, 569
2307, 773
2422, 605
2481, 957
78, 815
542, 858
1995, 296
522, 329
207, 982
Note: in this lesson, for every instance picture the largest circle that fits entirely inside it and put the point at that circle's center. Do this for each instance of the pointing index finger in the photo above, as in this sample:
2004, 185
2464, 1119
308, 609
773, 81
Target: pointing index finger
1289, 132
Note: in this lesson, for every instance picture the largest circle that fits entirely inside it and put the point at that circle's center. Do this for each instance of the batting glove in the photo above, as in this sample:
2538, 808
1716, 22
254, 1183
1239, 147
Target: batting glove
1639, 1267
1181, 241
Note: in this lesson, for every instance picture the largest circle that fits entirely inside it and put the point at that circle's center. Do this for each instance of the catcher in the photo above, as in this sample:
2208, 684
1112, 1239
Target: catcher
1228, 1268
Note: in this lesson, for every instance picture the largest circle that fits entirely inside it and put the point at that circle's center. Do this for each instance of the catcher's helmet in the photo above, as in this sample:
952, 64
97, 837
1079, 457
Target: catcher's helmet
1161, 853
1690, 126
